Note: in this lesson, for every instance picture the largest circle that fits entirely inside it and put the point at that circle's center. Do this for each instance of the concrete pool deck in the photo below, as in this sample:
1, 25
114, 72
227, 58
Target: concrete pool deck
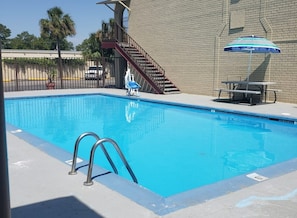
41, 187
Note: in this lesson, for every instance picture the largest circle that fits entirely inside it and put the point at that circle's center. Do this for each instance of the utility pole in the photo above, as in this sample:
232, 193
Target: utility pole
4, 182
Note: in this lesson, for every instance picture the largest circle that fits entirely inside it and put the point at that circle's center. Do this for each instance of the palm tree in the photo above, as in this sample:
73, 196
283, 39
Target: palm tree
108, 29
57, 27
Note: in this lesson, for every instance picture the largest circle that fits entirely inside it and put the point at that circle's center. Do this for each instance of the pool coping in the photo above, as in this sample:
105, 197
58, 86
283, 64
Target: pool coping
160, 205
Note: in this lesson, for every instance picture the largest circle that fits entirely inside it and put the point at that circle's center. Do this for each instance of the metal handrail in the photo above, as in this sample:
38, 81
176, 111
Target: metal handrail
91, 161
131, 42
74, 159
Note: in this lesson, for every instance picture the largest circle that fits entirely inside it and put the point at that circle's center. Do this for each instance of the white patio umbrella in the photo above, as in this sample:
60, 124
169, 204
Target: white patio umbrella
252, 44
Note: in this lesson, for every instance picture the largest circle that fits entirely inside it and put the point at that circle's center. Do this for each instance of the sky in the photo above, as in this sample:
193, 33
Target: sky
24, 15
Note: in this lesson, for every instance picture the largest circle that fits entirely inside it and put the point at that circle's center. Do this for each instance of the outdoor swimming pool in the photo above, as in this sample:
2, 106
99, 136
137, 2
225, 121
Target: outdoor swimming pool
171, 149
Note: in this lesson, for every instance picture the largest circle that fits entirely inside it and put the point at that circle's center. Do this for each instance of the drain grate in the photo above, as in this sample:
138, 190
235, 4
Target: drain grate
257, 177
78, 160
16, 131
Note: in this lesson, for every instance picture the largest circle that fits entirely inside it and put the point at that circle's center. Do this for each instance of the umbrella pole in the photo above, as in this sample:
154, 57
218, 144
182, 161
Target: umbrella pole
249, 69
248, 72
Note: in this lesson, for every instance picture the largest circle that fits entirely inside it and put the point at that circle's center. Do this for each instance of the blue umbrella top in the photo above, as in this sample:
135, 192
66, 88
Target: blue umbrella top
252, 44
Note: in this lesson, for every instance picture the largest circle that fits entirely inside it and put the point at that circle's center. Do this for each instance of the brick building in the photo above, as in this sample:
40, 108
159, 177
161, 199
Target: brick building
187, 38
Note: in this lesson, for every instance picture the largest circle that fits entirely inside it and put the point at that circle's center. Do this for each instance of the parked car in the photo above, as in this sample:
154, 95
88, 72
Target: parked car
93, 72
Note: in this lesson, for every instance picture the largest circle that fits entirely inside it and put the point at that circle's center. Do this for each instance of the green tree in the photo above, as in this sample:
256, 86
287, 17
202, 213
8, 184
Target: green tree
92, 47
57, 27
108, 34
4, 35
46, 43
108, 29
66, 45
83, 46
23, 41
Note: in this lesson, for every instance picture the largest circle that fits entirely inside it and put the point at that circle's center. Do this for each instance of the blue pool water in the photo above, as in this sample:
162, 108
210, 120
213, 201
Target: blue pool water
171, 149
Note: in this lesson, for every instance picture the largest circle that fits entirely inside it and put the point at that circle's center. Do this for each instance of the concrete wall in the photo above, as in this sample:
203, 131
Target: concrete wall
18, 53
187, 38
39, 72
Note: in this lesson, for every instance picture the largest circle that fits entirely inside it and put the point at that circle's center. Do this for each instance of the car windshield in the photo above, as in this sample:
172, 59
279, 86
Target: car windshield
94, 68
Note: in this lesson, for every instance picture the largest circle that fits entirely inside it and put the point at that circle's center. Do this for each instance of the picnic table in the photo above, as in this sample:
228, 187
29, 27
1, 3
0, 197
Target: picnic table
248, 89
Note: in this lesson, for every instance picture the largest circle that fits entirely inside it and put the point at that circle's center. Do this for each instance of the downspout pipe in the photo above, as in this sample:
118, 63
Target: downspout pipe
217, 46
267, 28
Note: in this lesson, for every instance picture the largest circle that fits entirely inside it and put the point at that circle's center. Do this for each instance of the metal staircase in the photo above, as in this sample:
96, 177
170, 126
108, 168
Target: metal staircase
152, 73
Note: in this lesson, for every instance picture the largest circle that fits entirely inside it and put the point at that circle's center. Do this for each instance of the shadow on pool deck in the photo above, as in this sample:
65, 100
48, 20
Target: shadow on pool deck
58, 207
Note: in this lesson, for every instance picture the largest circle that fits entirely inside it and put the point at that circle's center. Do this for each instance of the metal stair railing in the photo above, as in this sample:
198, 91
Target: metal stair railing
91, 162
74, 159
158, 89
150, 70
132, 43
128, 48
99, 142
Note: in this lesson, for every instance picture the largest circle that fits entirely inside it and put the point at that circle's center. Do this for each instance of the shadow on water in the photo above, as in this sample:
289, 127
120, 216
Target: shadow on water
59, 207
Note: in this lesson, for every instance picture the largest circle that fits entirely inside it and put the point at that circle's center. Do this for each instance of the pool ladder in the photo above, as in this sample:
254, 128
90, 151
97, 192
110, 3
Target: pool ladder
99, 142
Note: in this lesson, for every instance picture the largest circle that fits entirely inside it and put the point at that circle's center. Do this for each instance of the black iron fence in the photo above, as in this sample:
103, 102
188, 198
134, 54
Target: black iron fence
20, 74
